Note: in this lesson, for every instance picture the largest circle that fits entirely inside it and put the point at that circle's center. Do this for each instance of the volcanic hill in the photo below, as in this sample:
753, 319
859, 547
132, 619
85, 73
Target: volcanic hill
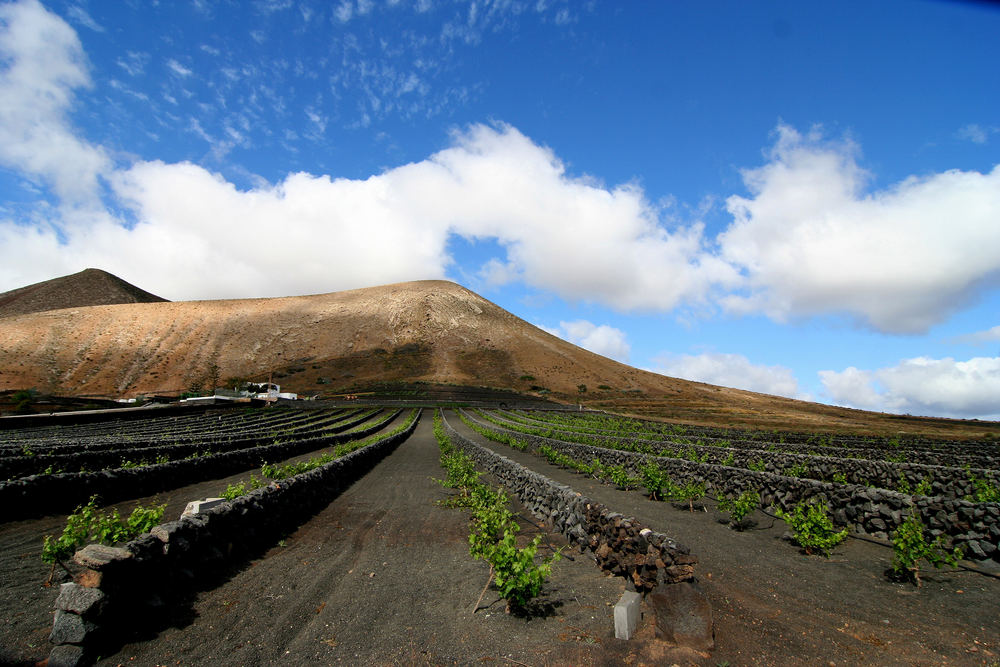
90, 287
427, 331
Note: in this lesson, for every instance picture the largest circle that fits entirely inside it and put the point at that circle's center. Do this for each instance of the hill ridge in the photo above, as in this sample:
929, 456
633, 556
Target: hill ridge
430, 331
90, 287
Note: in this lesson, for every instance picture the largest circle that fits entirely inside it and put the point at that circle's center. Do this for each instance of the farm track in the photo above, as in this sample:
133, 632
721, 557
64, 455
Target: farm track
773, 605
383, 576
26, 605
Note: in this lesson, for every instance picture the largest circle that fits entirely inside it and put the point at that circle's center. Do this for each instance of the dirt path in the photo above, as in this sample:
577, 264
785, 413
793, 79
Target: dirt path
773, 605
383, 576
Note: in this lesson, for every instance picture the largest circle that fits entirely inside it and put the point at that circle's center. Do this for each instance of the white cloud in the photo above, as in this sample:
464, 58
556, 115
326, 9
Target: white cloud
43, 63
344, 11
195, 235
560, 233
854, 388
134, 62
922, 386
178, 69
731, 370
271, 6
811, 240
808, 240
565, 234
600, 339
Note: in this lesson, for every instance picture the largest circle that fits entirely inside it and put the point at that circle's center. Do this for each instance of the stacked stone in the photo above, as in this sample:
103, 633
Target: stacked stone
123, 587
38, 494
621, 545
82, 605
108, 456
864, 510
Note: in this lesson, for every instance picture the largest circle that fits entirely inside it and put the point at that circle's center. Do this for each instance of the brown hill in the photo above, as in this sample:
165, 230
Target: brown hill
430, 331
90, 287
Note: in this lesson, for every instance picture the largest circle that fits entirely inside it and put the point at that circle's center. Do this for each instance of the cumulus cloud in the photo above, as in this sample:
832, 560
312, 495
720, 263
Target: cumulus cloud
43, 64
922, 386
731, 370
855, 388
561, 233
811, 240
598, 338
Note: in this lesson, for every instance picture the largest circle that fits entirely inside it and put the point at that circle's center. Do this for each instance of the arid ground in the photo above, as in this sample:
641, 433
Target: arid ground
382, 575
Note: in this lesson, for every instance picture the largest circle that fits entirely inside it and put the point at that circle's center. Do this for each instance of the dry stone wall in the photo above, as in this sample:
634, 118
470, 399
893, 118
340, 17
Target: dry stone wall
620, 545
946, 480
122, 588
37, 495
864, 510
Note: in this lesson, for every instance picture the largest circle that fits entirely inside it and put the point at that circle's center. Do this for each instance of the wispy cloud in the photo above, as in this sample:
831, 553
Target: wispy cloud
78, 14
134, 62
317, 120
976, 133
180, 70
118, 85
344, 11
271, 6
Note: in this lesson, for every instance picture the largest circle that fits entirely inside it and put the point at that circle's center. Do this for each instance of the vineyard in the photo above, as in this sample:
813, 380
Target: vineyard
97, 507
871, 486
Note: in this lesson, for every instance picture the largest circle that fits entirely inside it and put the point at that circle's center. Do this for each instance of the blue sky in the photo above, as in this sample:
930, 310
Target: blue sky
793, 198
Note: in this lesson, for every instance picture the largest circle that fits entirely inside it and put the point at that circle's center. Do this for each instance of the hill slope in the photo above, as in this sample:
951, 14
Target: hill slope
433, 331
90, 287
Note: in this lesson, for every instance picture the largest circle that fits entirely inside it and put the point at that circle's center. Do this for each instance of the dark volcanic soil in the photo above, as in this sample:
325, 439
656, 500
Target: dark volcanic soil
775, 605
383, 576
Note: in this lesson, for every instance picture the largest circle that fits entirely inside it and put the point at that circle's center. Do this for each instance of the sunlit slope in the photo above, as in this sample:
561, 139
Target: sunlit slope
433, 331
428, 330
